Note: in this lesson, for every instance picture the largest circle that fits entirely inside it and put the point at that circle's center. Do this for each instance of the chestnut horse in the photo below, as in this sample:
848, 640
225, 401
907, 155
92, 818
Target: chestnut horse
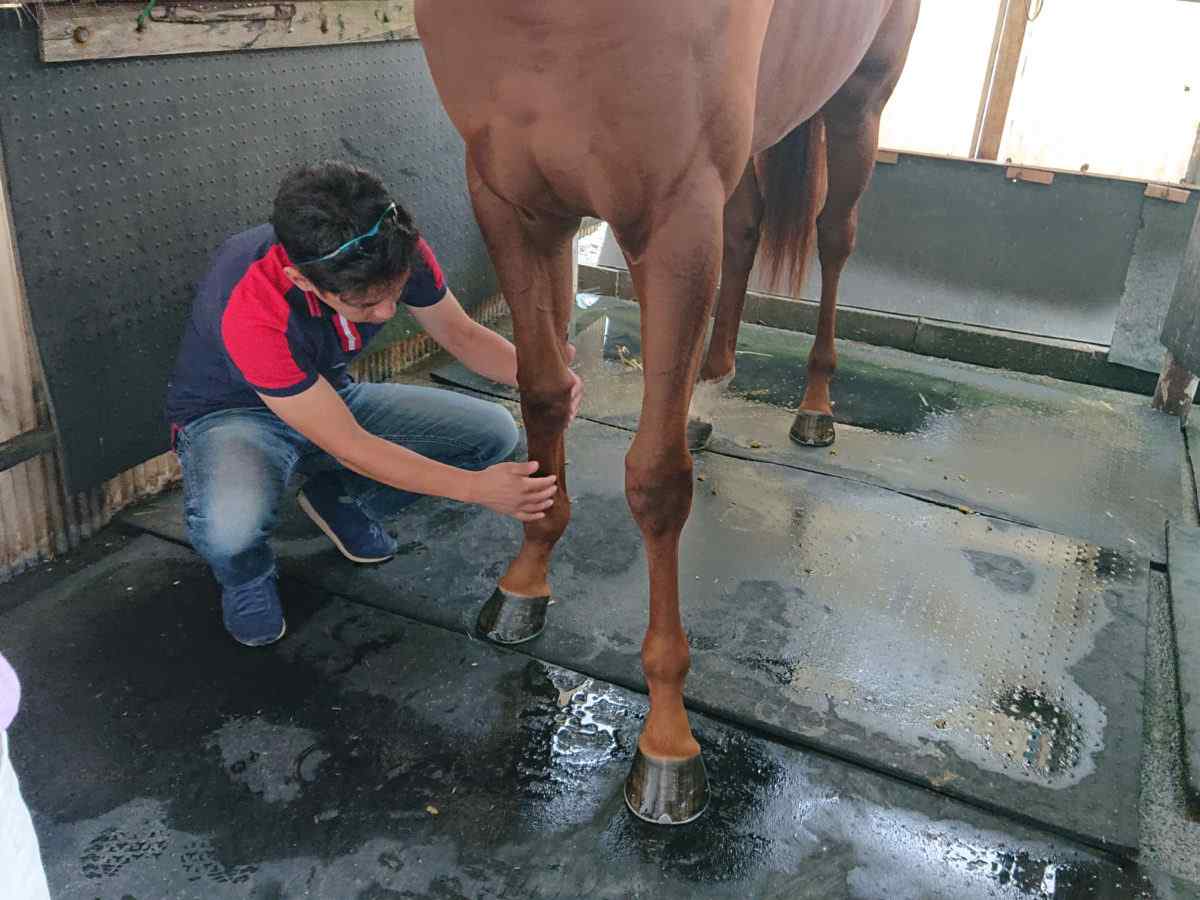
690, 126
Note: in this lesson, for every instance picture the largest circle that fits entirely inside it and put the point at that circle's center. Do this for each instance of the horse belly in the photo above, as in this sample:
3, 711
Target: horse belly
597, 108
811, 50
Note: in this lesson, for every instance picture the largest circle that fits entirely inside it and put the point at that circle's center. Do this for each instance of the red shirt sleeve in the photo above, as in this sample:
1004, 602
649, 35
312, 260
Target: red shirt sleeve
254, 330
426, 284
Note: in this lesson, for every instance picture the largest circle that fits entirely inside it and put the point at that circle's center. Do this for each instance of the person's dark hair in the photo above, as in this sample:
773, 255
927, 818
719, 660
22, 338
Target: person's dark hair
320, 207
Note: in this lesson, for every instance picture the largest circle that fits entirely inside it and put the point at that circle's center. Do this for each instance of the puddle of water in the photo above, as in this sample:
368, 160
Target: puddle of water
1042, 735
771, 371
588, 718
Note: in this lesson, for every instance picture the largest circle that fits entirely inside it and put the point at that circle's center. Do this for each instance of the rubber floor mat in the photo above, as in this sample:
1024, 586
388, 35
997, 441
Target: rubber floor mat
1185, 607
991, 661
1093, 463
366, 755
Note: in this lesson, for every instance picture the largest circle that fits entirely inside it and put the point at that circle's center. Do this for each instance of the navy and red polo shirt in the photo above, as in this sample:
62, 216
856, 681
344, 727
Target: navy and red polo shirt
253, 332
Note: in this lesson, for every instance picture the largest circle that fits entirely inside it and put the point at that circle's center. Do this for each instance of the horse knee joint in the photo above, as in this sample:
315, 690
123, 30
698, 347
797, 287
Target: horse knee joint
660, 497
547, 409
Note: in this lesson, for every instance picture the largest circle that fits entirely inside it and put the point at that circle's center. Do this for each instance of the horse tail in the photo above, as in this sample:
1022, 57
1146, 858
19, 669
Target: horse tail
792, 178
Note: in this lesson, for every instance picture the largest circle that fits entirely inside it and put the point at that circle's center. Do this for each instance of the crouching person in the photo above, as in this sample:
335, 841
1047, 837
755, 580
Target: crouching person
261, 391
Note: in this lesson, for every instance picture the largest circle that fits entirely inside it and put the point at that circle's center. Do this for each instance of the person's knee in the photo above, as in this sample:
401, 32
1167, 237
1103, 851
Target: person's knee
228, 523
498, 435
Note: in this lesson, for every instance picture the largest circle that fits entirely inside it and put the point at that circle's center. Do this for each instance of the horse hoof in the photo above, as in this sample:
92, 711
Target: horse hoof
698, 435
509, 619
667, 792
812, 429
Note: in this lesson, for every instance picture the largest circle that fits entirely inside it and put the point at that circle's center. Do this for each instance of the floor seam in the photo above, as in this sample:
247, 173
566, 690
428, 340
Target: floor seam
779, 737
813, 470
756, 729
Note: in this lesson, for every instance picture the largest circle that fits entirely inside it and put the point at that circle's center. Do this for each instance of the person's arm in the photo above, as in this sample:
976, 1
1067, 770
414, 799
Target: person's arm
254, 333
478, 347
319, 414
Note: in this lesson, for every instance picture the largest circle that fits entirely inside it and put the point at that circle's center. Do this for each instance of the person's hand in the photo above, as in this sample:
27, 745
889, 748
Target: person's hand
576, 385
509, 489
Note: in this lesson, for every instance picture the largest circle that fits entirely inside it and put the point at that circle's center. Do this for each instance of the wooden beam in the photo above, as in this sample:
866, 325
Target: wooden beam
26, 446
1166, 192
31, 495
988, 73
78, 32
1176, 388
1011, 22
1193, 169
1033, 176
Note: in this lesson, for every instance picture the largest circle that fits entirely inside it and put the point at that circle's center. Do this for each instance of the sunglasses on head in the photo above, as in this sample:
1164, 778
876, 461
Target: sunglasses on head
354, 241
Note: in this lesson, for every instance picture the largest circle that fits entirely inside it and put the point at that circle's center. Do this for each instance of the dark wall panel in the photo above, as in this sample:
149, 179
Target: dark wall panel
956, 240
952, 240
126, 175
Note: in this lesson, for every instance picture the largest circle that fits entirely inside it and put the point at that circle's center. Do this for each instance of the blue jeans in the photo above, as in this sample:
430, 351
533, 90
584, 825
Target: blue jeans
237, 464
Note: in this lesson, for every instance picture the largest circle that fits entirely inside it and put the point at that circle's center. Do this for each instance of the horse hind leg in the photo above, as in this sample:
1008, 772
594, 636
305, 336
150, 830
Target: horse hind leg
741, 226
851, 120
851, 144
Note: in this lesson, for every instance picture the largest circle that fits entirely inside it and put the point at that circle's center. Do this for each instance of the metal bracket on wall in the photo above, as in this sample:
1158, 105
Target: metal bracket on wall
26, 446
1033, 176
1166, 192
77, 32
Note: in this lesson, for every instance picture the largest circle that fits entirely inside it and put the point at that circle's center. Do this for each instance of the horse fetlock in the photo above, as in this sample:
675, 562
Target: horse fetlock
718, 369
707, 395
528, 573
665, 660
822, 366
548, 530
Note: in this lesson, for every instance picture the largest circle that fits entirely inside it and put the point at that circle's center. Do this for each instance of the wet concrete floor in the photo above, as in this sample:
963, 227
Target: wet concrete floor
370, 756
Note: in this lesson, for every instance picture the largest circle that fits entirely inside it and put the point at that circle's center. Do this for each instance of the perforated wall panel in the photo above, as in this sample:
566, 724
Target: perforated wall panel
126, 175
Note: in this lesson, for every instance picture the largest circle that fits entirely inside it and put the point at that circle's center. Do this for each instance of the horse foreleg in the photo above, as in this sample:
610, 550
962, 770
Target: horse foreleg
677, 257
532, 257
742, 222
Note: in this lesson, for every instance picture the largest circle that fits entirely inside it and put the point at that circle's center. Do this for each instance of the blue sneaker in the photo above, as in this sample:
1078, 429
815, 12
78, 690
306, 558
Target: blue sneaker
359, 537
252, 612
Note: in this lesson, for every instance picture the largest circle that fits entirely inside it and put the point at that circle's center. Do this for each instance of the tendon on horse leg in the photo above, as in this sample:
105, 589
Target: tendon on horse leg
608, 110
